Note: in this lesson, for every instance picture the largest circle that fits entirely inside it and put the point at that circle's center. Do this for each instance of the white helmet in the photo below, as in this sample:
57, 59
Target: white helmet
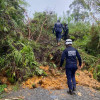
68, 41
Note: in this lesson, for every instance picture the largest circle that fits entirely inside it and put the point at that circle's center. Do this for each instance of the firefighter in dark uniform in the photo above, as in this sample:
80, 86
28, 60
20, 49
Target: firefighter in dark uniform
58, 29
70, 54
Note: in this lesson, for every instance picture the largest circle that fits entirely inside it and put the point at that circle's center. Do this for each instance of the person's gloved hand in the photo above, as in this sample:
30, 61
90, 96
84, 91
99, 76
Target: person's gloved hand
79, 67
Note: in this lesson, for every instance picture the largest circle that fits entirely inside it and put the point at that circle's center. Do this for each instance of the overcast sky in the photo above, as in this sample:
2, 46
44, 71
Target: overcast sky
59, 6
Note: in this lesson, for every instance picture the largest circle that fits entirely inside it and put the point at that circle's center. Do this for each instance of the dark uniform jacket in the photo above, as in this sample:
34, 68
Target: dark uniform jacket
58, 27
65, 28
70, 54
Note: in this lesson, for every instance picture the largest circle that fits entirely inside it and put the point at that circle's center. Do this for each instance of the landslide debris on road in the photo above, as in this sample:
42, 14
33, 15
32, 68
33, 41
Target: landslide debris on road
56, 79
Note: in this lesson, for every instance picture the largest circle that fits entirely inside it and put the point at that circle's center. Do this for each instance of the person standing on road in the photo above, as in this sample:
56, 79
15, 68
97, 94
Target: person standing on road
66, 30
58, 29
70, 54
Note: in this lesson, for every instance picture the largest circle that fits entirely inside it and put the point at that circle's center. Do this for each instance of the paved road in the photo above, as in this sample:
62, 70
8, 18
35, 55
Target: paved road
82, 93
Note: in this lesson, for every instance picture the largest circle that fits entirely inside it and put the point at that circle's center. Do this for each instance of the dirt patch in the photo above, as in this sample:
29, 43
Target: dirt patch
54, 80
4, 80
85, 78
57, 79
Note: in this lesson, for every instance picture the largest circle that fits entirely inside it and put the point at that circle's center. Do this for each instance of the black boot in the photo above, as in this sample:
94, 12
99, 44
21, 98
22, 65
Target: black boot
74, 89
70, 92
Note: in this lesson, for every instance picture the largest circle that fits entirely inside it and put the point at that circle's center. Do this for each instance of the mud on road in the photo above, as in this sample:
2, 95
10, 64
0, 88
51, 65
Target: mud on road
54, 87
57, 79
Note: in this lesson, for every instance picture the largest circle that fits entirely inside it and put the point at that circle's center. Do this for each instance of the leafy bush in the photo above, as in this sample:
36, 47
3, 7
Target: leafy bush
96, 73
2, 88
89, 60
39, 25
11, 16
28, 56
79, 30
2, 62
93, 46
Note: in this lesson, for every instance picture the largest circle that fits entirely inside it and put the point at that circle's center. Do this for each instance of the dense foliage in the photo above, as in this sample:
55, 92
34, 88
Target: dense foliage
26, 45
17, 60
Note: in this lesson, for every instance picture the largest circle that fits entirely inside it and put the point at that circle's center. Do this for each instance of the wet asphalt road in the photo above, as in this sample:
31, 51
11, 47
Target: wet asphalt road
82, 93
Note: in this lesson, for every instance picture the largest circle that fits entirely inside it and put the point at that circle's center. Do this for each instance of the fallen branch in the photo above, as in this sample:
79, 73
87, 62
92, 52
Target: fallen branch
41, 30
29, 31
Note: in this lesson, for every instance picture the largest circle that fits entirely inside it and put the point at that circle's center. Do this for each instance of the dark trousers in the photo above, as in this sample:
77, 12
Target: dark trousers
70, 72
58, 36
65, 35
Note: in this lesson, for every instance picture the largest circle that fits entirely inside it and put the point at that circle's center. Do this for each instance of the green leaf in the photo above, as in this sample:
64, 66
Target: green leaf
5, 29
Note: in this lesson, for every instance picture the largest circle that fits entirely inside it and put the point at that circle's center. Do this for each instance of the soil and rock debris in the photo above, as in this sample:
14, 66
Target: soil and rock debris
54, 87
57, 79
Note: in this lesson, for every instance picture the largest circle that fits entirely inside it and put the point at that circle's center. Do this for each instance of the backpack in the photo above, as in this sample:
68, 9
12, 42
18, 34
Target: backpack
58, 27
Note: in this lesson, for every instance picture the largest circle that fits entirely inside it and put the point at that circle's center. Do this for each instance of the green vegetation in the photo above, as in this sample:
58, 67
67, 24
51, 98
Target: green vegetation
24, 46
2, 88
17, 59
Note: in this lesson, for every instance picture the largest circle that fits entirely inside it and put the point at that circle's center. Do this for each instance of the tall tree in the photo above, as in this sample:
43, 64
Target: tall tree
79, 9
95, 4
